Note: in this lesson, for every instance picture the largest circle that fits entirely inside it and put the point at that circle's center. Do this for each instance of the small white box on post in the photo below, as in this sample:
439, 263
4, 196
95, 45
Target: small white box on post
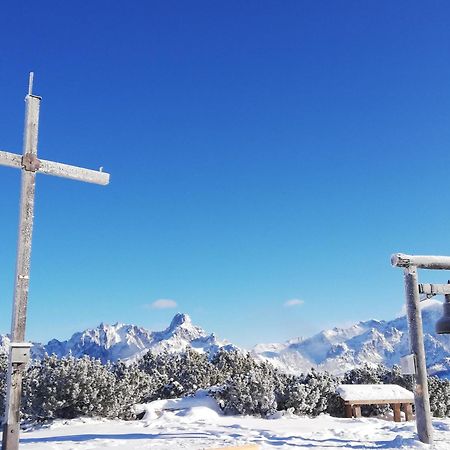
20, 352
408, 364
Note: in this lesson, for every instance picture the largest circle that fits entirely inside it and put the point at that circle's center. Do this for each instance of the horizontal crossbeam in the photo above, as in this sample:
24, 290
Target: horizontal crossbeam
57, 169
73, 172
10, 159
434, 289
421, 262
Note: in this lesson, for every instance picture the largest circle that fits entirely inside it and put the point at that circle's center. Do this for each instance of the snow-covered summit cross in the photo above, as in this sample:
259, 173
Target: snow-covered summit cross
29, 165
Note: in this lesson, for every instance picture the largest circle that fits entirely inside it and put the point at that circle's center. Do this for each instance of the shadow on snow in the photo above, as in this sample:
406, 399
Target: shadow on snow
130, 436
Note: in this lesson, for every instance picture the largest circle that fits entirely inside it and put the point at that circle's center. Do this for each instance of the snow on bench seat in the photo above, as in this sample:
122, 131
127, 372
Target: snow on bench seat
374, 392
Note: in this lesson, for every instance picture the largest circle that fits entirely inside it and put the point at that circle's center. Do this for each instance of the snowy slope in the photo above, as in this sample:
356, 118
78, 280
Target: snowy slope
373, 341
120, 341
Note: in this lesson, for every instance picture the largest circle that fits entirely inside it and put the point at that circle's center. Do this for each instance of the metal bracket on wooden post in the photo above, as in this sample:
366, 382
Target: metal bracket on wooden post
434, 289
30, 162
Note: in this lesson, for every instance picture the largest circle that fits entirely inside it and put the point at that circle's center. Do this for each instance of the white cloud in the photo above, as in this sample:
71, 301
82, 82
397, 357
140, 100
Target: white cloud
293, 302
164, 303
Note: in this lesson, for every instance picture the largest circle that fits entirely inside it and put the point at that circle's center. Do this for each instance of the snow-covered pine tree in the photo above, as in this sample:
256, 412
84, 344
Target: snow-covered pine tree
230, 364
179, 374
296, 396
133, 386
310, 394
248, 387
251, 393
365, 374
439, 390
154, 365
68, 388
188, 372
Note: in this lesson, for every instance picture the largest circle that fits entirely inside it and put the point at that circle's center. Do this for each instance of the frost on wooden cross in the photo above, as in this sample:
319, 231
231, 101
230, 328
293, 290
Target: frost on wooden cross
30, 165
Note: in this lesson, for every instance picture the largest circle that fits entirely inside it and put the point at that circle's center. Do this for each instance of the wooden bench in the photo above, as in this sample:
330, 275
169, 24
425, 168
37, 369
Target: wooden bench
355, 395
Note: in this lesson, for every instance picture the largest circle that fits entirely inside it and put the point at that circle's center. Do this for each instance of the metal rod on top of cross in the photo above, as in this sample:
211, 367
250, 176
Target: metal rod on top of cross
29, 165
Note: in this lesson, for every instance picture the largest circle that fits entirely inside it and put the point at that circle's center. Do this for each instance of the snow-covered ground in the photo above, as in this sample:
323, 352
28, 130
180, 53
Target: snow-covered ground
198, 424
286, 433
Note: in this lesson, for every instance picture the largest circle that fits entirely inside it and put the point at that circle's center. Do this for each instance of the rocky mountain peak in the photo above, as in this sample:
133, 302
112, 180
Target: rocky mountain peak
180, 320
128, 342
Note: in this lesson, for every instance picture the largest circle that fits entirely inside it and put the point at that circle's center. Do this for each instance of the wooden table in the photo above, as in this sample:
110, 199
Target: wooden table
355, 395
353, 407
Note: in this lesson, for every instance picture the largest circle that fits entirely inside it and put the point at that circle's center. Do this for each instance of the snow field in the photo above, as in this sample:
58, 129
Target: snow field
198, 424
169, 432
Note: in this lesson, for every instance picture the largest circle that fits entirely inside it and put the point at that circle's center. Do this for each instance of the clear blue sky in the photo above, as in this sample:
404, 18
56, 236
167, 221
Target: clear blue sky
260, 152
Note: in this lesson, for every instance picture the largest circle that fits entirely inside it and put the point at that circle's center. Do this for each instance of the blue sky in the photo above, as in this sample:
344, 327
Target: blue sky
260, 152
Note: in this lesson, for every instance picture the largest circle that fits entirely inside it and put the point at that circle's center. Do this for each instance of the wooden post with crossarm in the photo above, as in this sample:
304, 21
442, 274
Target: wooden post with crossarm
30, 165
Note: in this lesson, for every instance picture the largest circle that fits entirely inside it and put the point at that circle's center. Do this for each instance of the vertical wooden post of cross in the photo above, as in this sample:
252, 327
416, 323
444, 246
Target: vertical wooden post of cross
22, 277
29, 165
414, 316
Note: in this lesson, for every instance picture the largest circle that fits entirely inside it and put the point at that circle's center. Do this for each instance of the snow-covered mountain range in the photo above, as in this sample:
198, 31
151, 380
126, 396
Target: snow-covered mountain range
129, 342
373, 341
336, 350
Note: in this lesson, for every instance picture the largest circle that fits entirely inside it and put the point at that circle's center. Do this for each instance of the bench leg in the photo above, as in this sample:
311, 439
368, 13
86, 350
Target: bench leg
407, 407
348, 411
357, 411
397, 416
